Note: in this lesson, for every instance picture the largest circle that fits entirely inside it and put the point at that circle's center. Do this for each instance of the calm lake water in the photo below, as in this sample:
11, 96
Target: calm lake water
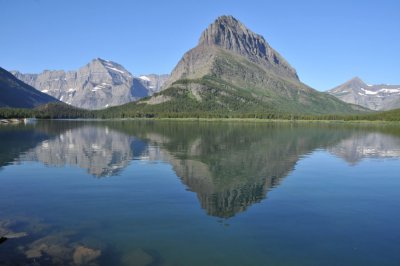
199, 193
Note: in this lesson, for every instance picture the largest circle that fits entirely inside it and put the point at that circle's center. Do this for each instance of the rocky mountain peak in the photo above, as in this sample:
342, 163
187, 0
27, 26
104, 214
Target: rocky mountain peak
109, 66
354, 84
356, 81
229, 33
224, 32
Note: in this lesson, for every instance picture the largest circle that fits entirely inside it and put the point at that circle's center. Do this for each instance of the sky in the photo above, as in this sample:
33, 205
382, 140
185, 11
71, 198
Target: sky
327, 42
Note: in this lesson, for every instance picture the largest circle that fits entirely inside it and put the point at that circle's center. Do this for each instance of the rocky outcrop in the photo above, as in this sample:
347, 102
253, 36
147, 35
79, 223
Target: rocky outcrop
374, 97
97, 85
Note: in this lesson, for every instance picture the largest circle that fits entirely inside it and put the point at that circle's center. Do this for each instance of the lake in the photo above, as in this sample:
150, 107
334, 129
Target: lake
199, 193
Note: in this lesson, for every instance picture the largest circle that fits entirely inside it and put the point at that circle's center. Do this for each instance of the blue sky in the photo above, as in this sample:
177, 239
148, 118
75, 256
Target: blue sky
328, 42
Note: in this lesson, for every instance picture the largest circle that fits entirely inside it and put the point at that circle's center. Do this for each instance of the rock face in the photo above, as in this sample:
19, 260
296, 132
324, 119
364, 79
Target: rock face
97, 85
154, 82
15, 93
235, 69
230, 34
374, 97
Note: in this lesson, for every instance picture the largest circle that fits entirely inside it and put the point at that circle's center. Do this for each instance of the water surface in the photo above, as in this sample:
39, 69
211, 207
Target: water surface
199, 193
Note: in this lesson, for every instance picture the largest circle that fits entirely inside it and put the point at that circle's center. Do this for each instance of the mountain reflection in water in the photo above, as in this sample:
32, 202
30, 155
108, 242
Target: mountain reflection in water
230, 166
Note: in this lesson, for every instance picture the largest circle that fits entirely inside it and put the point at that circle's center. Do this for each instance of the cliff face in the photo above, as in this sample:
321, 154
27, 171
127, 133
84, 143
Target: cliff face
230, 34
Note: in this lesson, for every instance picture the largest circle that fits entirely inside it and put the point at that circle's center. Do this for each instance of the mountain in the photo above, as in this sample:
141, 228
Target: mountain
99, 84
233, 70
374, 97
15, 93
228, 34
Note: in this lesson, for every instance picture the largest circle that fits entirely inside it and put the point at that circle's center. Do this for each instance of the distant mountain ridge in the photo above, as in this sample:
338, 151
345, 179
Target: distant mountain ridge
17, 94
99, 84
235, 71
375, 97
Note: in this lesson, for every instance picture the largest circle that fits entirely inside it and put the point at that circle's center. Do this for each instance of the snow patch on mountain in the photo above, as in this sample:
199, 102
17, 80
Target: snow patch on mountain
368, 92
144, 78
115, 69
390, 90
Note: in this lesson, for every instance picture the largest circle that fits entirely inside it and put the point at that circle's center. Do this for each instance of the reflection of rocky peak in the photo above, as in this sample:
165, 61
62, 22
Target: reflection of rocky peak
370, 145
234, 192
232, 168
99, 150
225, 201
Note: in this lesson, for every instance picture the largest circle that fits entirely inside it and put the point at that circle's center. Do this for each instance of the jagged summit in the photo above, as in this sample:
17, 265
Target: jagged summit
355, 83
221, 25
109, 66
356, 80
229, 33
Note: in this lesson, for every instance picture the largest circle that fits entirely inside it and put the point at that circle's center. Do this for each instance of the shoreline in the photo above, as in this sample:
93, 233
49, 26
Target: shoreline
189, 119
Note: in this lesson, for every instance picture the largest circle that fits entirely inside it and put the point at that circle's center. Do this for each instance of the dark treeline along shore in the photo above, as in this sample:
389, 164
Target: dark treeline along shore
64, 111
